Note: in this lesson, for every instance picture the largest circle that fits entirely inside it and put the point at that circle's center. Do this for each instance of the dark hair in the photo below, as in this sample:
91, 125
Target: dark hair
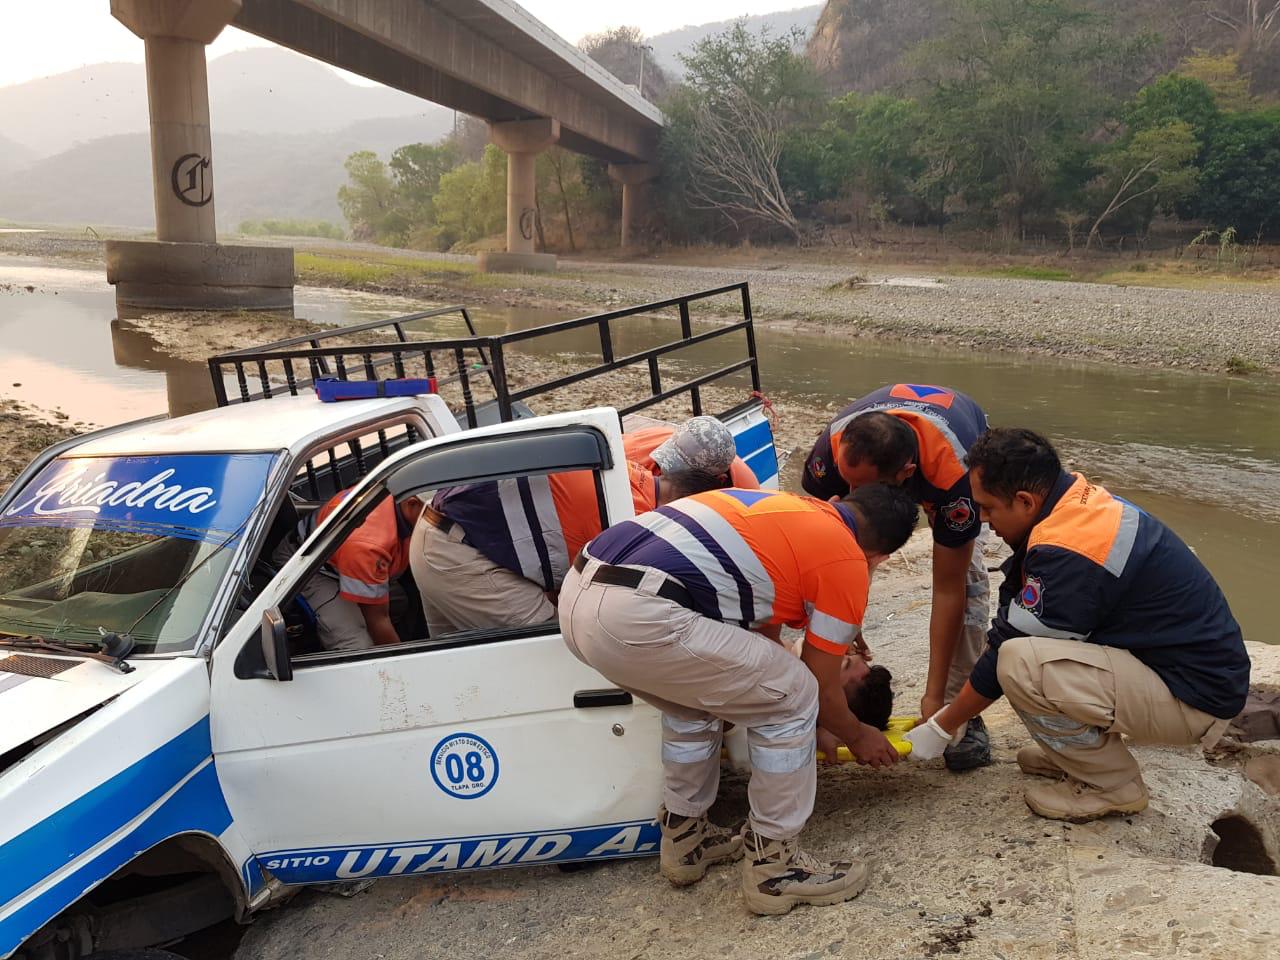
688, 482
886, 442
1013, 459
871, 701
886, 516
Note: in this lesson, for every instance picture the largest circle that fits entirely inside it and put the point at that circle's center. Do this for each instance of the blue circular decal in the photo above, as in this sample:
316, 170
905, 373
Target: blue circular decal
464, 766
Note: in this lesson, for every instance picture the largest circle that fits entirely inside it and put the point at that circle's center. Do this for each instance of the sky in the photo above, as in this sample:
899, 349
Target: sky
43, 37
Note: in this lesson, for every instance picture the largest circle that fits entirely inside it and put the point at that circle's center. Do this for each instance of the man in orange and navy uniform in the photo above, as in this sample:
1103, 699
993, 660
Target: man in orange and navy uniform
682, 605
351, 594
494, 554
1109, 626
694, 445
916, 436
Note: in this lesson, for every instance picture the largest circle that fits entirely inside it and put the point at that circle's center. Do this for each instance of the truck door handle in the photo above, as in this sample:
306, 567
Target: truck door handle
612, 697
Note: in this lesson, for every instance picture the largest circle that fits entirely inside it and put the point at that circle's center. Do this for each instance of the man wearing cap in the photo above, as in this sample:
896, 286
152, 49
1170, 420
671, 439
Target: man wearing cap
351, 594
701, 443
490, 555
915, 436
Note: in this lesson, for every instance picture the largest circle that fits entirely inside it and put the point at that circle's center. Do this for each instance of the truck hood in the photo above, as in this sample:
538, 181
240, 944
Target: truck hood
39, 691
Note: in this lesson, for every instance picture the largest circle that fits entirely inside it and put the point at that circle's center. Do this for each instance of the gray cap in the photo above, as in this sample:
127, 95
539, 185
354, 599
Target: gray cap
702, 443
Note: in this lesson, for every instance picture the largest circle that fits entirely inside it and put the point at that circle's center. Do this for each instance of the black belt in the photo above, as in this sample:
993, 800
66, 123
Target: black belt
437, 519
627, 577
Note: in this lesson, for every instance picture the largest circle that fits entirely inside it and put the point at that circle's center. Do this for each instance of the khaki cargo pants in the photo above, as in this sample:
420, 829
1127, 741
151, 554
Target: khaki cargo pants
462, 589
340, 623
700, 672
1077, 699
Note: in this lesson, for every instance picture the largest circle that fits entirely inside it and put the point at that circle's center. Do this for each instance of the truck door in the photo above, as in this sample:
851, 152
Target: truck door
477, 750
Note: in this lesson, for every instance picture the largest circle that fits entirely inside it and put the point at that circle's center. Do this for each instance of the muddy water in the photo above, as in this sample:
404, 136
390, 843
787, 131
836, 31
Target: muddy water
1202, 452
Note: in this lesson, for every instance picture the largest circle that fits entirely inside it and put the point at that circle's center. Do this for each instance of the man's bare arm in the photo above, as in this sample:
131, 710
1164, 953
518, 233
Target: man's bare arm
377, 619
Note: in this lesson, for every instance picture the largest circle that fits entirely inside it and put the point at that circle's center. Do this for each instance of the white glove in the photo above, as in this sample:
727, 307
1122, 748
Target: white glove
928, 739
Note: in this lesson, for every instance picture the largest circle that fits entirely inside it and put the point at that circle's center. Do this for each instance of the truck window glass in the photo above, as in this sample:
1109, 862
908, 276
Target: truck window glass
125, 544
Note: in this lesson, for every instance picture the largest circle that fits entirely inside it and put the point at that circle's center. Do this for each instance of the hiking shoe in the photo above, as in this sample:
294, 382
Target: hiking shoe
691, 844
1036, 761
777, 875
1077, 802
973, 750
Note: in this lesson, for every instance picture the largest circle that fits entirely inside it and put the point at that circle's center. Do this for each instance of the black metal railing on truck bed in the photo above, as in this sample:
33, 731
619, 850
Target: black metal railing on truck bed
292, 365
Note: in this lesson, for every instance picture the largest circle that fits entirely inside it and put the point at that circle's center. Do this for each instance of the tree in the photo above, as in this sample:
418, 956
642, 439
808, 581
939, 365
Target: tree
1256, 23
472, 200
1223, 76
1012, 89
1156, 165
1174, 96
368, 199
417, 168
625, 54
1240, 178
726, 127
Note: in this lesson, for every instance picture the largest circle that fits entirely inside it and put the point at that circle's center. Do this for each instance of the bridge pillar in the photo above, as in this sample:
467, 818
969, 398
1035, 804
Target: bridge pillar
633, 177
185, 267
521, 141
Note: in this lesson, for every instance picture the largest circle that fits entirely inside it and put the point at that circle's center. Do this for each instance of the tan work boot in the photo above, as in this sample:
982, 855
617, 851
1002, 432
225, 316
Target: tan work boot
777, 875
1036, 761
1077, 802
692, 844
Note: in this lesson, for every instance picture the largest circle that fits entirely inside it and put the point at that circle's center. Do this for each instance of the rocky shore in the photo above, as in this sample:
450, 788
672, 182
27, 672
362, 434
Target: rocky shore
1228, 328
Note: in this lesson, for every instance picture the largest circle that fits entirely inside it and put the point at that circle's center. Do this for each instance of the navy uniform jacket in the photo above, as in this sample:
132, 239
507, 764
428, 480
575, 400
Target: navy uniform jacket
1097, 569
946, 424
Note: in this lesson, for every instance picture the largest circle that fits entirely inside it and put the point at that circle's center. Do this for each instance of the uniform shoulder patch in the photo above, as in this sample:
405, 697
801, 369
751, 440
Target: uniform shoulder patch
958, 514
818, 467
1032, 595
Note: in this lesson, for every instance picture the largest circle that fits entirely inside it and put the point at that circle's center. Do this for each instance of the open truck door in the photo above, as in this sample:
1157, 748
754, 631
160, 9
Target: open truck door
483, 749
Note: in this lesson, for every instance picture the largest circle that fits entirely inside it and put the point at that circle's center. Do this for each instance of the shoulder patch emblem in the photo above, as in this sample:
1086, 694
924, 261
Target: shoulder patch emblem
958, 514
1032, 595
818, 467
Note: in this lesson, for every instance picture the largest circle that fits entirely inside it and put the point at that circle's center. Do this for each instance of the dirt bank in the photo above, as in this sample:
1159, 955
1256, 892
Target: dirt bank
960, 867
25, 431
1230, 327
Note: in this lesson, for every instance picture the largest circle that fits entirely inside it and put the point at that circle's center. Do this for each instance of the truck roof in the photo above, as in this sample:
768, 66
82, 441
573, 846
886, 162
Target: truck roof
283, 423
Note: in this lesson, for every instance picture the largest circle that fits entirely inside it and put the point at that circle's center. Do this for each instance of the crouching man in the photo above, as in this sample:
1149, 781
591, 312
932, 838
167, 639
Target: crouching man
1108, 626
679, 607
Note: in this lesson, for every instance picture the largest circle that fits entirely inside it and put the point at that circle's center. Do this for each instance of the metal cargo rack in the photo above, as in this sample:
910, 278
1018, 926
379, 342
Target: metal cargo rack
290, 366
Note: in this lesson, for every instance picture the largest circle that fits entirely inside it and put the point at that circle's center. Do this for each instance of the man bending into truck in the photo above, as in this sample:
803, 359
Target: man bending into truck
351, 594
490, 555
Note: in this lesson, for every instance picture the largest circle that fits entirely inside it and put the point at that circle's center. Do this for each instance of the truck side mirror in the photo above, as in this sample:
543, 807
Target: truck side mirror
275, 645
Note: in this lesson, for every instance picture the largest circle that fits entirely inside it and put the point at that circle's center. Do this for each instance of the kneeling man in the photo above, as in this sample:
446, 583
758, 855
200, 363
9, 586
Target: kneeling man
1108, 625
682, 606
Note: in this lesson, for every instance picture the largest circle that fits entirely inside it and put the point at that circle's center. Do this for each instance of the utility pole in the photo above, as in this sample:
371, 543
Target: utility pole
643, 48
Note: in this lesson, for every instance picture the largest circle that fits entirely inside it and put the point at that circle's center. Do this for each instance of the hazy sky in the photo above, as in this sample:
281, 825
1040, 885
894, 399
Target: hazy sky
42, 37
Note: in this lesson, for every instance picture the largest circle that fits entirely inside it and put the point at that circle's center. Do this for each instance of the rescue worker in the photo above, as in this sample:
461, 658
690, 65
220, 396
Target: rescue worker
351, 594
666, 449
682, 607
916, 436
494, 554
1109, 626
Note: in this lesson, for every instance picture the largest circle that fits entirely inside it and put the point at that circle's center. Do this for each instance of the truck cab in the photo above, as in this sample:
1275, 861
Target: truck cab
176, 749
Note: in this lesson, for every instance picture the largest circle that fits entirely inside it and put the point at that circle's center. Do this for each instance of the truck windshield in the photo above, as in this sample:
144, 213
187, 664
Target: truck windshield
136, 544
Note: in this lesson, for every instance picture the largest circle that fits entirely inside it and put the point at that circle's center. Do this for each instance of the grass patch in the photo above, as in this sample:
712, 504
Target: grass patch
348, 270
1242, 367
1022, 272
1184, 277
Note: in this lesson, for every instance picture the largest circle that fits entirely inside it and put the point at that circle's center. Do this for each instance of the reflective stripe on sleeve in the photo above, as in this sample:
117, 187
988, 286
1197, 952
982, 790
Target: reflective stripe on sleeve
1122, 546
832, 629
1023, 620
369, 592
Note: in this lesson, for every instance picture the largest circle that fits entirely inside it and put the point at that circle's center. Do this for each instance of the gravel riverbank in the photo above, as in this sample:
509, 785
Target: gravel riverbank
1233, 328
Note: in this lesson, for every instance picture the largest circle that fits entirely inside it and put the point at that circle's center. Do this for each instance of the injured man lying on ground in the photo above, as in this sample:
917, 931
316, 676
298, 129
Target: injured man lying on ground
869, 692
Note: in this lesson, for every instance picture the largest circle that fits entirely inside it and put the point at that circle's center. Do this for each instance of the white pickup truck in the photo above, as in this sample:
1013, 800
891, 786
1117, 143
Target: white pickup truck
175, 749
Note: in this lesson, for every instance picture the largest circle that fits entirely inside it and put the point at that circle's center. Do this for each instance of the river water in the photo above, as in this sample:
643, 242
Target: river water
1200, 451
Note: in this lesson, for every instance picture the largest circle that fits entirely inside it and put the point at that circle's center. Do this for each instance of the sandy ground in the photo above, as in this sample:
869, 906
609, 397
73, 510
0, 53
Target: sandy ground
960, 867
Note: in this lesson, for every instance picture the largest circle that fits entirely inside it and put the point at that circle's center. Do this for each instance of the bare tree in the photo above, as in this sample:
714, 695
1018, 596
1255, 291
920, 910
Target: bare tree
1256, 22
734, 166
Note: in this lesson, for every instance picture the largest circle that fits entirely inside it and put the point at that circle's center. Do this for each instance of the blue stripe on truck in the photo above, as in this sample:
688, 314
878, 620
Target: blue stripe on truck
764, 464
753, 438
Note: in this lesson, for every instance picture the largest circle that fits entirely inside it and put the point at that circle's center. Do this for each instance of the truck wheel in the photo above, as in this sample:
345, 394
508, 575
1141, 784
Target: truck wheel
134, 955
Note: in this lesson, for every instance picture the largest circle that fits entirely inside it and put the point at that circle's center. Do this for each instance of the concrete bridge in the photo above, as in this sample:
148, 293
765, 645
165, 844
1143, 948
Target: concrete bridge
487, 58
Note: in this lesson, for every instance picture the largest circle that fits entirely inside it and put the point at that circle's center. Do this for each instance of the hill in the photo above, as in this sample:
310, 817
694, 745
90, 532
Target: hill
13, 155
258, 175
861, 44
668, 46
263, 90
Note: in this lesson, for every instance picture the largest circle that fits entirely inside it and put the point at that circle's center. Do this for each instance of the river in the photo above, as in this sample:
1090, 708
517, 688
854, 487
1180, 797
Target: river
1200, 451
